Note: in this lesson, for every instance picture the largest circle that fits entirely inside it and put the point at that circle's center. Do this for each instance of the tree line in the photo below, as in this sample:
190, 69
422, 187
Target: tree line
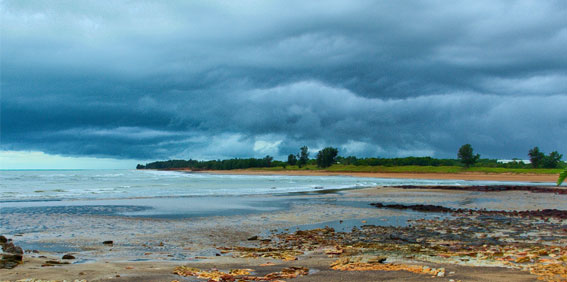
210, 165
329, 156
538, 159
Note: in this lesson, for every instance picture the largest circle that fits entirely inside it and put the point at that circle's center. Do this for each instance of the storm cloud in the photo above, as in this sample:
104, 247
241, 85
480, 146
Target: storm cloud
219, 79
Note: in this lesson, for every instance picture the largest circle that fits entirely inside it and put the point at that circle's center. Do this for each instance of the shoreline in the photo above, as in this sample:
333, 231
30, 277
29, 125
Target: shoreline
147, 249
536, 178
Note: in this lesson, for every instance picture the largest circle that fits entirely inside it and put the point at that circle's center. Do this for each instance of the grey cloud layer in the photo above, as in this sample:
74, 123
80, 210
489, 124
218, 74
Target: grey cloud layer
211, 79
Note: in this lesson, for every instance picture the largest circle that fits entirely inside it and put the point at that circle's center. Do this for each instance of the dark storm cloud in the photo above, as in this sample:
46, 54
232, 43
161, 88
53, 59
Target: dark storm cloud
212, 79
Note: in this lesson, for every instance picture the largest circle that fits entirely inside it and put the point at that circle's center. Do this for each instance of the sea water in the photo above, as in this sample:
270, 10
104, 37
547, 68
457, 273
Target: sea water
52, 185
54, 209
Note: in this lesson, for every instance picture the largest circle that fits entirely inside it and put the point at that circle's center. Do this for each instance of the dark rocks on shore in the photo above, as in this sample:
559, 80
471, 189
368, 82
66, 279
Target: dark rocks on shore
12, 249
68, 256
492, 188
12, 255
253, 238
402, 237
545, 213
421, 208
53, 263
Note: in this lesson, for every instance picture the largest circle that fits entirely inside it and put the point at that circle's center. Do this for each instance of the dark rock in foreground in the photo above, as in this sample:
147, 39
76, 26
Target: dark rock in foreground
68, 256
12, 255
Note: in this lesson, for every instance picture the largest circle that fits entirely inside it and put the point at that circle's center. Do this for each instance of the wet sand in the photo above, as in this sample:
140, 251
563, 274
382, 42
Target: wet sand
162, 271
454, 176
149, 249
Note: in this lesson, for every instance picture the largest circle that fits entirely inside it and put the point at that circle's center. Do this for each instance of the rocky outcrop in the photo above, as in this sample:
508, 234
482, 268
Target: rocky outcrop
12, 255
545, 213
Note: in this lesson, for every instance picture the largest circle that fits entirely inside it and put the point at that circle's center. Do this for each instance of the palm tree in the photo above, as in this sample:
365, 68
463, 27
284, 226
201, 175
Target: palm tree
562, 177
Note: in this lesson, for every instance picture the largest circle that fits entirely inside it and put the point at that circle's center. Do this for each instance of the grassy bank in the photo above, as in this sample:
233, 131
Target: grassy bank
417, 169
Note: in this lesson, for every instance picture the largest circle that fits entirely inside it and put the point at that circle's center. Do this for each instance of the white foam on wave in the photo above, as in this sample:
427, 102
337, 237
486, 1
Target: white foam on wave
109, 175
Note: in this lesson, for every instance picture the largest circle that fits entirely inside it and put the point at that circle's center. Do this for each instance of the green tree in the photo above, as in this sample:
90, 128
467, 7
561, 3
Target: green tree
552, 161
467, 156
291, 159
536, 157
303, 156
327, 157
268, 160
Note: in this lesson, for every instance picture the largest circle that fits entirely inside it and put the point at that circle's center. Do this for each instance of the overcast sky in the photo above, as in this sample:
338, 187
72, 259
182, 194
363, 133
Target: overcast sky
151, 80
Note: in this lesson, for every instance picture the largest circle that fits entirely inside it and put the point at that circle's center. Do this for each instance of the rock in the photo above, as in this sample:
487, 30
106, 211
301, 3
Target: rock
56, 262
377, 259
109, 242
53, 263
522, 259
253, 238
68, 256
12, 249
12, 255
10, 261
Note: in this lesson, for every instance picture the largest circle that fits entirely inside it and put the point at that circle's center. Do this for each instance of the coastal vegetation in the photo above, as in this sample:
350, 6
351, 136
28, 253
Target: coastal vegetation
328, 159
467, 156
303, 156
539, 160
235, 163
562, 177
291, 159
416, 169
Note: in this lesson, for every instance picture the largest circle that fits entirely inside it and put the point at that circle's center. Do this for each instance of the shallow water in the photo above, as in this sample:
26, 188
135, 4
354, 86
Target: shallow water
75, 210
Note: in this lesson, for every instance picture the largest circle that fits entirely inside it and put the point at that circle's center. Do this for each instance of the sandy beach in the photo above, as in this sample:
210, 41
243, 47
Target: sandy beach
151, 249
456, 176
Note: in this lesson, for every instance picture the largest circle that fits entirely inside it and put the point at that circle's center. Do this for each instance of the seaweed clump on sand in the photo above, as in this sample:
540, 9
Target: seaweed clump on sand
241, 275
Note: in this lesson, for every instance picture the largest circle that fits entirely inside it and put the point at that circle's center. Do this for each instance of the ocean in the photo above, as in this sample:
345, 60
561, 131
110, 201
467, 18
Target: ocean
56, 185
64, 211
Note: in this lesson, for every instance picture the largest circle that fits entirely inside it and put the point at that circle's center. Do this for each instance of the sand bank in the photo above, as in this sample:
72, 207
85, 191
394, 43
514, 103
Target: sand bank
454, 176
